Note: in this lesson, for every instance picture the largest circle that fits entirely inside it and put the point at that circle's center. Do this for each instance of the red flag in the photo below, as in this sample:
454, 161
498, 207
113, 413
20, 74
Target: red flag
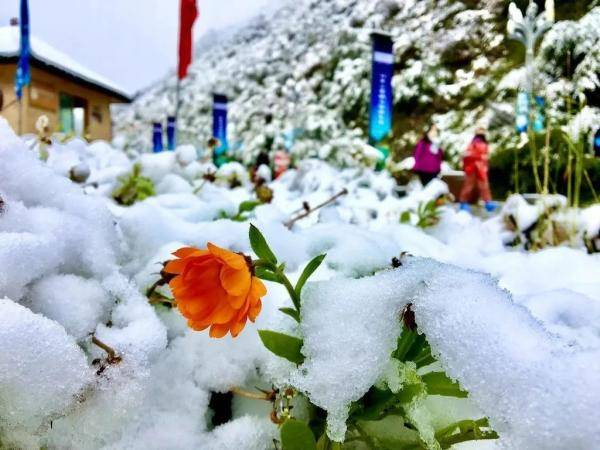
187, 16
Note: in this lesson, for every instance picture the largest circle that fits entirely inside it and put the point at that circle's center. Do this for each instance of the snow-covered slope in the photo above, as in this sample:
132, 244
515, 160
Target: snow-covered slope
73, 265
308, 66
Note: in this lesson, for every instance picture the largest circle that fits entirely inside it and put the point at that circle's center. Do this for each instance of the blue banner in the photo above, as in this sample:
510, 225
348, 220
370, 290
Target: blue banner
220, 128
381, 88
382, 99
23, 76
157, 137
171, 131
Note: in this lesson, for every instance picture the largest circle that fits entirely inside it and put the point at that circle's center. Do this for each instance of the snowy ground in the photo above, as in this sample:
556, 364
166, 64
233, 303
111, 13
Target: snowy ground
520, 331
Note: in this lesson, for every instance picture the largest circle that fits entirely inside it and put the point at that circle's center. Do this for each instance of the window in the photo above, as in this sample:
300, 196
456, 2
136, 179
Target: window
72, 114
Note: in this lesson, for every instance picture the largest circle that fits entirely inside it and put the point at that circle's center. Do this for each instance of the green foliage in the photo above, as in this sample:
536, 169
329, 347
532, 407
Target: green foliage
243, 213
283, 345
504, 161
308, 271
428, 214
260, 246
296, 435
133, 188
393, 415
438, 383
292, 313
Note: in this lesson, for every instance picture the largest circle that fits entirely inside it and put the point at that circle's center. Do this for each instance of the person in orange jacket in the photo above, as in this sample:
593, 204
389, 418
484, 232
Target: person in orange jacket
475, 165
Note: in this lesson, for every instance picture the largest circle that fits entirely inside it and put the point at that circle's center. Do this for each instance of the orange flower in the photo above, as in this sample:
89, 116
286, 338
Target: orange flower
215, 288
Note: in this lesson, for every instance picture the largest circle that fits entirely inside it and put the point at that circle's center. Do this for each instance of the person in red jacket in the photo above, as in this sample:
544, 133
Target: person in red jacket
475, 165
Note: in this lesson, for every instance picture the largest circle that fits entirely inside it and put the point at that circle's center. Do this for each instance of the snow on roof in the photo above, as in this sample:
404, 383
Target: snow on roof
45, 53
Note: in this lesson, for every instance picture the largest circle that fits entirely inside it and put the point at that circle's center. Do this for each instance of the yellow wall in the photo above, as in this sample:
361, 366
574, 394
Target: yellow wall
53, 85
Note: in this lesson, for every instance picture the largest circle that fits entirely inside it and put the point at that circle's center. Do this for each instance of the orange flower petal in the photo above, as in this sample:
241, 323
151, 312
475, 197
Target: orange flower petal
218, 331
223, 313
175, 266
254, 311
198, 269
257, 288
196, 326
237, 328
233, 260
235, 282
186, 252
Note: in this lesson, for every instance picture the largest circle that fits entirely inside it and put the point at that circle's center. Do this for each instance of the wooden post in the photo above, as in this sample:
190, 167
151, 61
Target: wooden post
21, 115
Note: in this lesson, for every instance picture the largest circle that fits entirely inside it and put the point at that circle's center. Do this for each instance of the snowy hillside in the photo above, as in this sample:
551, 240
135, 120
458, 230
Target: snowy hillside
308, 66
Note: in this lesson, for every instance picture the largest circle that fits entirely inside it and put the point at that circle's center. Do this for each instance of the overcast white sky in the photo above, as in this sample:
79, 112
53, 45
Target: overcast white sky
132, 42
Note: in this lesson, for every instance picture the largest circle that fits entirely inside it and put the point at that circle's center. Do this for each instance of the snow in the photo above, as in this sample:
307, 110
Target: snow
42, 371
472, 325
44, 52
78, 304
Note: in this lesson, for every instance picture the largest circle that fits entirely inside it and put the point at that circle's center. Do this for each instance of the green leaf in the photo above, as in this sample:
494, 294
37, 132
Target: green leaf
296, 435
424, 358
247, 206
260, 246
292, 313
405, 342
325, 444
308, 271
265, 274
374, 404
438, 383
405, 217
283, 345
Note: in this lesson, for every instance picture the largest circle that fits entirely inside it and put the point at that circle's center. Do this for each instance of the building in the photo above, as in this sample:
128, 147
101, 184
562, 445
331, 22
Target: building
75, 99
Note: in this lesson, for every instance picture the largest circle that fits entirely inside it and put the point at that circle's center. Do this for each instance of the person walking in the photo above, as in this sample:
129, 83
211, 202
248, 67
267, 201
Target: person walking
428, 156
475, 165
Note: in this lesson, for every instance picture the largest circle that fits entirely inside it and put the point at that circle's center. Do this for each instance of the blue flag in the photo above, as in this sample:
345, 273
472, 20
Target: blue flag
171, 132
220, 128
23, 76
157, 137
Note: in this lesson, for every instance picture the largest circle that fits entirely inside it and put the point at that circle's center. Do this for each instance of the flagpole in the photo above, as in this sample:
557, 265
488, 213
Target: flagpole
177, 101
188, 12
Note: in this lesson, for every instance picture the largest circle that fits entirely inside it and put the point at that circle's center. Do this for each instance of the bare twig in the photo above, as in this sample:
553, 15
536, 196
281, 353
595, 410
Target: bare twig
113, 357
267, 396
290, 223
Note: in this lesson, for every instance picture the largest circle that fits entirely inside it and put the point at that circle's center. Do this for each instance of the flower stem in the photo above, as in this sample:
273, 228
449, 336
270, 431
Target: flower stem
282, 279
113, 357
293, 294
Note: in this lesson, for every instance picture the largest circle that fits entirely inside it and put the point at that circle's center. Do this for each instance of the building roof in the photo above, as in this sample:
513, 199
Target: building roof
54, 60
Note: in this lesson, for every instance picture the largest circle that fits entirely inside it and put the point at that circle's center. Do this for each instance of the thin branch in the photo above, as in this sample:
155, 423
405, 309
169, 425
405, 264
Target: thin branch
289, 224
251, 395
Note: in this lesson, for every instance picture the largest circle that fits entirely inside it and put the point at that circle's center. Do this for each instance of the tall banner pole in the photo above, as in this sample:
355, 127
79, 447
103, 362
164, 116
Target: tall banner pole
382, 100
188, 13
220, 129
23, 75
